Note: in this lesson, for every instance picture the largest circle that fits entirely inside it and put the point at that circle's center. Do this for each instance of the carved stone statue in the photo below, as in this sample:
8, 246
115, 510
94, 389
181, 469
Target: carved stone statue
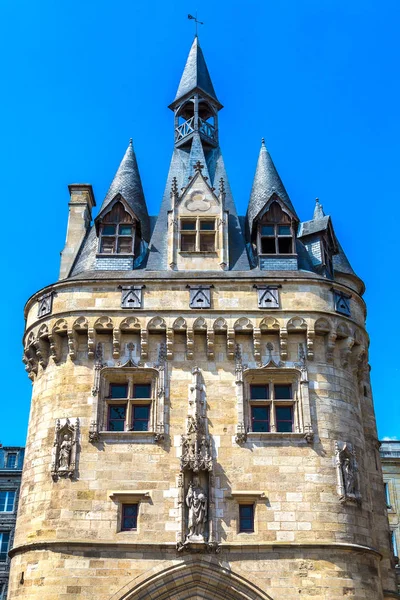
196, 501
349, 477
347, 473
64, 455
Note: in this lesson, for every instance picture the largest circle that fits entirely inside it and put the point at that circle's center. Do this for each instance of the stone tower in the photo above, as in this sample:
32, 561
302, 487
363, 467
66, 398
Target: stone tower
202, 424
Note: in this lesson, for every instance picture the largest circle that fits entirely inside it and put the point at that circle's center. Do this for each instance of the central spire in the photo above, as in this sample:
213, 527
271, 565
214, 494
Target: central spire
195, 76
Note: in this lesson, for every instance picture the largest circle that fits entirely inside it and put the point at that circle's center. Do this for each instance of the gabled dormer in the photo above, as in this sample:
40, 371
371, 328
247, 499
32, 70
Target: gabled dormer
320, 241
198, 226
272, 220
118, 230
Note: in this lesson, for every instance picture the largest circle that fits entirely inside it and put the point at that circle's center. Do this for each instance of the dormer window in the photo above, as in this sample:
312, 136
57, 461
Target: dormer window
117, 232
275, 233
197, 235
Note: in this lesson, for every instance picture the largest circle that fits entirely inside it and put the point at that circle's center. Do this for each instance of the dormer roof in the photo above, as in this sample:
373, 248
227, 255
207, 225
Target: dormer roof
266, 184
128, 184
195, 76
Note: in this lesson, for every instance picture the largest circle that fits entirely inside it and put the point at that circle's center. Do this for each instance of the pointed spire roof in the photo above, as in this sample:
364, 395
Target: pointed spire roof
318, 210
127, 182
266, 183
195, 75
196, 155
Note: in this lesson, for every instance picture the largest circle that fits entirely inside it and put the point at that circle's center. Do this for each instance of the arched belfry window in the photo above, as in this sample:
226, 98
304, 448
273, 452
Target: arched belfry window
117, 231
275, 232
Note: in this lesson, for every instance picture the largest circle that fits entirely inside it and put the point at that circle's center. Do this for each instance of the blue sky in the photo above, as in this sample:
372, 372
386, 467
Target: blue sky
319, 80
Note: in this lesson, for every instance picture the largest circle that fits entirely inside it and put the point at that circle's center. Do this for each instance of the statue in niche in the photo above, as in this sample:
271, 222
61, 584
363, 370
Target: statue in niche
64, 455
196, 501
65, 449
347, 473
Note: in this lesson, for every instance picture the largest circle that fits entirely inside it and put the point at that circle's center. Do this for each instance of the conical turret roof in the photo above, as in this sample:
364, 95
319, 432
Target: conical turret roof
195, 74
266, 183
127, 182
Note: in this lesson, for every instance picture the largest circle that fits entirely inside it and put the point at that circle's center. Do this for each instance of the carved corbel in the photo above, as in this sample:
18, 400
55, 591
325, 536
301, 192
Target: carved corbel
91, 342
310, 344
170, 343
345, 352
72, 343
283, 343
116, 343
230, 344
29, 365
144, 343
41, 352
330, 346
55, 347
210, 344
189, 343
93, 432
257, 344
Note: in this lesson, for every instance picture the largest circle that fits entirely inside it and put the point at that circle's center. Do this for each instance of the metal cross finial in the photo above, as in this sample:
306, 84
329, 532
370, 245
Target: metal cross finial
195, 20
198, 166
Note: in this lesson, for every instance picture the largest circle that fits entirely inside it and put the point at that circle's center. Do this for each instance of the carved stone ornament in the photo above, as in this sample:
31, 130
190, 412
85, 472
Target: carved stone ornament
65, 447
342, 303
131, 296
348, 482
200, 296
268, 296
45, 304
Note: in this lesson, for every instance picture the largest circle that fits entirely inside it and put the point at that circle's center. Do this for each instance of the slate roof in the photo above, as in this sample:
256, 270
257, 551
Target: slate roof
313, 226
195, 74
266, 182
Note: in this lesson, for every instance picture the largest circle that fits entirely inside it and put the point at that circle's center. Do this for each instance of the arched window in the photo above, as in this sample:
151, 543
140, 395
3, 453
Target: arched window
275, 232
117, 232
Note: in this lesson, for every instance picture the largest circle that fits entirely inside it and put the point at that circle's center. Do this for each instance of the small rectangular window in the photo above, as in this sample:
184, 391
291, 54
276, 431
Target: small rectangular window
285, 245
125, 230
260, 419
142, 390
259, 392
284, 418
246, 518
11, 461
4, 543
283, 391
129, 517
188, 243
118, 390
7, 499
108, 230
116, 417
267, 230
107, 245
268, 245
140, 417
188, 225
207, 225
207, 242
125, 245
284, 230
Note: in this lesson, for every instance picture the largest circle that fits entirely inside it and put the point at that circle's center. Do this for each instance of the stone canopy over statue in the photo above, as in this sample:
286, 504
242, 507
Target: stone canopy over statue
196, 501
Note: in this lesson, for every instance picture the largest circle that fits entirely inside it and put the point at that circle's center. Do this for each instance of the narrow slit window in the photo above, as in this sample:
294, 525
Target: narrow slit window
129, 517
246, 518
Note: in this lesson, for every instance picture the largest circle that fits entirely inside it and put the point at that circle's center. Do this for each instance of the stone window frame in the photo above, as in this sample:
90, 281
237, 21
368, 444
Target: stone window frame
129, 374
124, 497
197, 233
298, 378
247, 497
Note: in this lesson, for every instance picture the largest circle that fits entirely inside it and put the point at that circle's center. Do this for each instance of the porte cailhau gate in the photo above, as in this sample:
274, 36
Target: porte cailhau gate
202, 424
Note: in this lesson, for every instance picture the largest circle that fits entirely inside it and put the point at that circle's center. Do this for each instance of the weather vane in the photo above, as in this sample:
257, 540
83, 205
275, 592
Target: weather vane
195, 20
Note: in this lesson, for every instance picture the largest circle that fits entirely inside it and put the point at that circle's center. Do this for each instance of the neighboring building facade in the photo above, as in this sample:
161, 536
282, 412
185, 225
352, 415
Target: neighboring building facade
390, 457
11, 461
202, 424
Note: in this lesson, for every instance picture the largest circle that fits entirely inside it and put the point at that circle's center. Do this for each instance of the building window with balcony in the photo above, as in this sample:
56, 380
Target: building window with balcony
198, 235
4, 544
7, 501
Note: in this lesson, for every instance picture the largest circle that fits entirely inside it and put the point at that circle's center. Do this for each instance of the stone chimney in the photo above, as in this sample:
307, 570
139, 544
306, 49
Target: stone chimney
80, 216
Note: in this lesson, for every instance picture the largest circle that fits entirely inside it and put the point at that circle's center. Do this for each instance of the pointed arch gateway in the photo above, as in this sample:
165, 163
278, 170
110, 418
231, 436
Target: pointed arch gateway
194, 580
